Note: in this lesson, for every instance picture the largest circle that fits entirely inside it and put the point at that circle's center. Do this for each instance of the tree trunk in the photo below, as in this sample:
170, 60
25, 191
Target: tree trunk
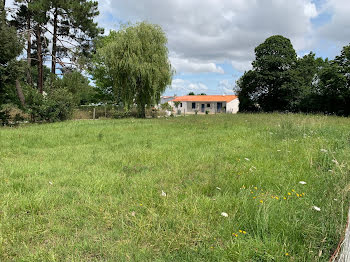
29, 49
142, 110
20, 93
54, 43
40, 59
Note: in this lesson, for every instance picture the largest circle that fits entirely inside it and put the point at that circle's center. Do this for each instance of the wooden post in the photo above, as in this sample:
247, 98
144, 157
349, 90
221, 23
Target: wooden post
94, 114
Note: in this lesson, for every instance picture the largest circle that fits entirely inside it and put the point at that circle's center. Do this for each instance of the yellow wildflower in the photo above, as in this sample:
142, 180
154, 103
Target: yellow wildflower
277, 197
285, 198
244, 232
255, 188
289, 194
261, 201
287, 254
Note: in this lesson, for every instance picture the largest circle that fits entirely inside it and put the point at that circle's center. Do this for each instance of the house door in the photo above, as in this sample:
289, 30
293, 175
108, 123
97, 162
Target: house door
219, 107
203, 108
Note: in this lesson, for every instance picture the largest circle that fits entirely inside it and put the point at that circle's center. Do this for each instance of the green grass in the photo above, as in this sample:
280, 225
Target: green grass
91, 190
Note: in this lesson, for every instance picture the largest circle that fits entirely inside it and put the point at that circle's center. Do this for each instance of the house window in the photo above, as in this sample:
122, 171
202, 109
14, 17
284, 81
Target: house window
180, 104
208, 105
193, 105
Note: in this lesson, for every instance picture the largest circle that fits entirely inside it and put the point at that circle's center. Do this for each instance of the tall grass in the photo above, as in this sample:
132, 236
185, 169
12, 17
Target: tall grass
92, 190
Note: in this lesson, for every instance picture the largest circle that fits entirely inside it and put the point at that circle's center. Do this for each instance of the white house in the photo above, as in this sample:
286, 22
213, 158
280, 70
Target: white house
206, 104
165, 99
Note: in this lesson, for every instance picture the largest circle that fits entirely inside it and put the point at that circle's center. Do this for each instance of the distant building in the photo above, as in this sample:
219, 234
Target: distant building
166, 99
206, 104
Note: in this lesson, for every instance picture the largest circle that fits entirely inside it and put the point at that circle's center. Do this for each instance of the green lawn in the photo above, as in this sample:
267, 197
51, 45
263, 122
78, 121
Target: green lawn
91, 190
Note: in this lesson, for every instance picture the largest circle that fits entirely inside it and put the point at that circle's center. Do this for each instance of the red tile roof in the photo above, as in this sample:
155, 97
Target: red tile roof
205, 98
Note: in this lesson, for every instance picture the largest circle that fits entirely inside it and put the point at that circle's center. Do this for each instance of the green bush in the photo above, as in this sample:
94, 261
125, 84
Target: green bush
57, 105
166, 106
4, 117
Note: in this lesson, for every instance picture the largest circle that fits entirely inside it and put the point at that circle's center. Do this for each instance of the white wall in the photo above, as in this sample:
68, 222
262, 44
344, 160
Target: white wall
233, 107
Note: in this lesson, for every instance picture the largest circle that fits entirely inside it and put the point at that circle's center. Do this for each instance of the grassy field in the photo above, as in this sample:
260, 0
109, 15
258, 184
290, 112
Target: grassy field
92, 190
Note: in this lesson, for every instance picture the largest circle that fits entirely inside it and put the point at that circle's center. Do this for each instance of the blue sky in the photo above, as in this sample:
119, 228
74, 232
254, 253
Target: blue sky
211, 42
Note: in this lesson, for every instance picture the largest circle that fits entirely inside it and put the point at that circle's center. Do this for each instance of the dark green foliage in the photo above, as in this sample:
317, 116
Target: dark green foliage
58, 105
4, 117
275, 58
78, 85
10, 48
11, 45
281, 82
191, 94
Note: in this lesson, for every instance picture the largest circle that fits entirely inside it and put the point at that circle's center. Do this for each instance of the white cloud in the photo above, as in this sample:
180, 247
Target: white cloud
338, 29
310, 10
185, 86
182, 65
227, 87
204, 33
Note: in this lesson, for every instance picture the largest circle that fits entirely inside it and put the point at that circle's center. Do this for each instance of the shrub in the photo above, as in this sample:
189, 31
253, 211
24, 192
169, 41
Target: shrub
4, 117
166, 106
11, 115
56, 106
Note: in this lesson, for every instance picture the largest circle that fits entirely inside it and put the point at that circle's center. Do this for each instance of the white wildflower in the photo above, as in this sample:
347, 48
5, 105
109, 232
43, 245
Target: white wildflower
50, 183
279, 150
247, 159
133, 213
218, 188
316, 208
302, 182
163, 194
323, 150
224, 214
335, 161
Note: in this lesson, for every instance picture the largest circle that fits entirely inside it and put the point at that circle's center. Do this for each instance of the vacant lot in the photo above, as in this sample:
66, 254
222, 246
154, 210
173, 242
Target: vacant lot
92, 190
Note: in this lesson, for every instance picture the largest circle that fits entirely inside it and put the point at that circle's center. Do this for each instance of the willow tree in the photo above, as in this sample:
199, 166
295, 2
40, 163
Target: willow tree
134, 60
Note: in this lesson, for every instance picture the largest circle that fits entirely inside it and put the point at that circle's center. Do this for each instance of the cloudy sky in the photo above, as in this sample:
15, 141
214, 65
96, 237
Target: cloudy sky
211, 42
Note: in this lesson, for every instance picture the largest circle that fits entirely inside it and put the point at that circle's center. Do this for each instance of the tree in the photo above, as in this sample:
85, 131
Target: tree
191, 94
266, 86
11, 47
332, 91
73, 29
68, 24
135, 61
78, 85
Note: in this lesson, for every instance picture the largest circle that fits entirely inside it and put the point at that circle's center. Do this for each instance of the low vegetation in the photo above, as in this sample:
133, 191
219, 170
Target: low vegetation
242, 187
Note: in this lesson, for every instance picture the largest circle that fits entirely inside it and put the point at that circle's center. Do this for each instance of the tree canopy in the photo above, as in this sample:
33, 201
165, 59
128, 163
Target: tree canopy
10, 48
134, 60
279, 81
